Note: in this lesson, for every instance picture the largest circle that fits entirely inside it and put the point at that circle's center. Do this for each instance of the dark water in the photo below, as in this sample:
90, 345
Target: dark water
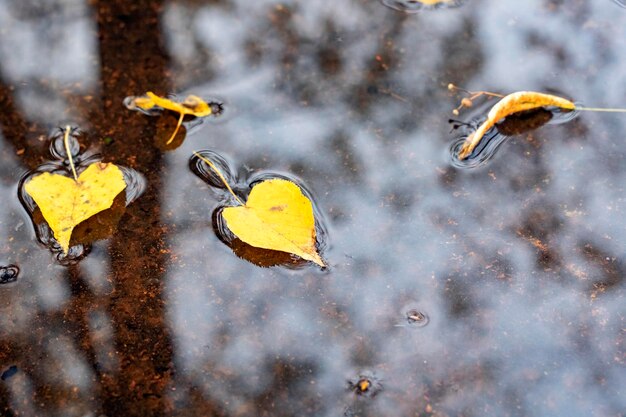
492, 291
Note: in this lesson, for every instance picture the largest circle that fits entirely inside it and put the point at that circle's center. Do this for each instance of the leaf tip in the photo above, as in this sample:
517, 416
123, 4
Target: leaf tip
316, 258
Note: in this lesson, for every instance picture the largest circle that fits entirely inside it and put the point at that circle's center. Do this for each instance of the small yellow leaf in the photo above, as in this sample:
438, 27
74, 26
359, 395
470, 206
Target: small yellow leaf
65, 202
277, 216
192, 105
508, 105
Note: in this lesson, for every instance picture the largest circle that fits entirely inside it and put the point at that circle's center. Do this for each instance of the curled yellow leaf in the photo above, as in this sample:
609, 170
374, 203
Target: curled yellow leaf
192, 105
508, 105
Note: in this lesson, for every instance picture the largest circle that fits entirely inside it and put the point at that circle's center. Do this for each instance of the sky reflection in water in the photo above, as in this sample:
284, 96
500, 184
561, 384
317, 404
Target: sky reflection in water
518, 264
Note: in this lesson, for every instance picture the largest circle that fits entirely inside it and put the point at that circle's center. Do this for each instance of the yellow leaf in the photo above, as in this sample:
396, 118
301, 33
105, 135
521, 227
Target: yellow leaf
277, 216
508, 105
192, 105
65, 202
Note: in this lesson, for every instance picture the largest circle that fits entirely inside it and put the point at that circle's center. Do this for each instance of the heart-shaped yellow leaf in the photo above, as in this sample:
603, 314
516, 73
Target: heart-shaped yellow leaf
65, 202
277, 216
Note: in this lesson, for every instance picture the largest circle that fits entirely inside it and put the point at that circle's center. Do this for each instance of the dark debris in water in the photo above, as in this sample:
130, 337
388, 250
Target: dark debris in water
8, 373
367, 385
417, 318
9, 273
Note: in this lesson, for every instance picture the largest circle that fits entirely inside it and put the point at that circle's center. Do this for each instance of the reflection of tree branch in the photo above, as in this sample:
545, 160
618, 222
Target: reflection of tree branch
132, 62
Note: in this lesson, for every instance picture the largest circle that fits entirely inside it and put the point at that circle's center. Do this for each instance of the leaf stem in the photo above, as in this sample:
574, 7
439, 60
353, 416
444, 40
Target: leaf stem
601, 109
66, 142
180, 121
219, 174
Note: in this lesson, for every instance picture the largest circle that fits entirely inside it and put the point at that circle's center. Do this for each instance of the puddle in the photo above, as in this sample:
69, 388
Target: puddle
449, 291
416, 318
8, 373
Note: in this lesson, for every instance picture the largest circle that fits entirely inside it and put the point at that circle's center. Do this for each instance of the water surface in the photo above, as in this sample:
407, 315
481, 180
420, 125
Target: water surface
518, 265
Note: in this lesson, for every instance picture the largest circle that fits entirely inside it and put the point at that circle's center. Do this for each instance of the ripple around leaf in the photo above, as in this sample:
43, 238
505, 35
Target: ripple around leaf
57, 147
415, 6
257, 256
208, 174
97, 227
267, 257
9, 274
417, 318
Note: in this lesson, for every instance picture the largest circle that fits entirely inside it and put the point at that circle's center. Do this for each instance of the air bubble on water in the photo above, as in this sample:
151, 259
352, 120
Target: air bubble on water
416, 318
415, 6
57, 143
9, 274
365, 384
135, 184
483, 152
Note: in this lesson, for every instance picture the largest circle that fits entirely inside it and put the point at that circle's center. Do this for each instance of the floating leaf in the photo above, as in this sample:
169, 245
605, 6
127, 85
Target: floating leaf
525, 110
508, 105
65, 202
191, 106
277, 216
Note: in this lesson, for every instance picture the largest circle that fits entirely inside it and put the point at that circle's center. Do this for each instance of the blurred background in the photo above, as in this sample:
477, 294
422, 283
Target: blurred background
516, 268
